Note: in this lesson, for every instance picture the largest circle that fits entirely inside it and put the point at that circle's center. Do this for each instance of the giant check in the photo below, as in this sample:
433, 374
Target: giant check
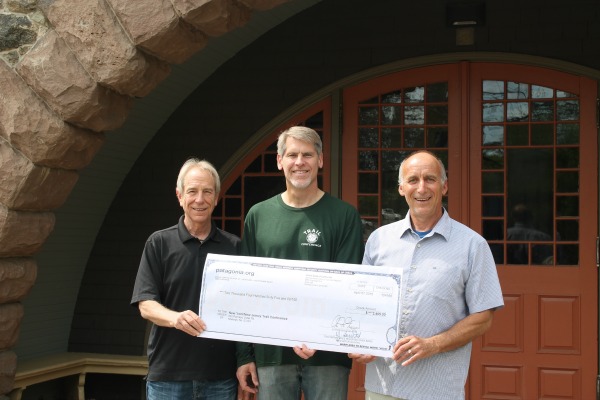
327, 306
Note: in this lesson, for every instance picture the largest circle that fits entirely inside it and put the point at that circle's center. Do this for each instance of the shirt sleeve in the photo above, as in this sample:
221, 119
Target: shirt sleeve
147, 282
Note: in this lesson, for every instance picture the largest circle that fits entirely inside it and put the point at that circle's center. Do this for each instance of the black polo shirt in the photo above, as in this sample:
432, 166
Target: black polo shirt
170, 273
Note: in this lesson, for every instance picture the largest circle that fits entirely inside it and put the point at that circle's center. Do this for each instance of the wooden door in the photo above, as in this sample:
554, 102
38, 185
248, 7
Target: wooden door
517, 142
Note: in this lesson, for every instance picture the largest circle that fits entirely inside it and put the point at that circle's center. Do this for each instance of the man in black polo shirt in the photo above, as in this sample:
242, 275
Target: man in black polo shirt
167, 292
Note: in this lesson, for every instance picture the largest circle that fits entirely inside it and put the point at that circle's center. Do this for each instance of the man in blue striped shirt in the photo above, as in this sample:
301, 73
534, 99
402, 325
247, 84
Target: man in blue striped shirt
450, 290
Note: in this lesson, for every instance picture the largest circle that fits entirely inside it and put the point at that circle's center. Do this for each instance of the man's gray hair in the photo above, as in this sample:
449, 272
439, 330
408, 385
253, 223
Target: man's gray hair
303, 133
201, 164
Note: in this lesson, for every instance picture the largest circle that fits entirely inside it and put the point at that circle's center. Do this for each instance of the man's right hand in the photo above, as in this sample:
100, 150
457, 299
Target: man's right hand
361, 358
248, 379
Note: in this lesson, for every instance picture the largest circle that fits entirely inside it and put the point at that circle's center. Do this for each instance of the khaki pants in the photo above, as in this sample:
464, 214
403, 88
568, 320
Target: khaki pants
377, 396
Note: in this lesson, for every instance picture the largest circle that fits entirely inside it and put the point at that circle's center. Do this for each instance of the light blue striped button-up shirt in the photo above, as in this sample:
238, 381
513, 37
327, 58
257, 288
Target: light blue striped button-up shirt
447, 275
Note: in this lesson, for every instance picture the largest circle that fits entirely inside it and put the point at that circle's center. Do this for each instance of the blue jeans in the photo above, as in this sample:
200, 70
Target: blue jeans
287, 382
192, 390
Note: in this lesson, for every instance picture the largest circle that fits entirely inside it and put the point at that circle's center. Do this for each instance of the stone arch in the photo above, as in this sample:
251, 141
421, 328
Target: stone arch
65, 85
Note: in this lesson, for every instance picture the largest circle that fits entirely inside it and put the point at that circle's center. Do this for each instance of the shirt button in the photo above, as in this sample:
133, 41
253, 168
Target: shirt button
418, 244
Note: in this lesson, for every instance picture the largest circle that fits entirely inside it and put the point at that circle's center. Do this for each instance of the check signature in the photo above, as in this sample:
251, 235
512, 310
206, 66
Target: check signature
346, 327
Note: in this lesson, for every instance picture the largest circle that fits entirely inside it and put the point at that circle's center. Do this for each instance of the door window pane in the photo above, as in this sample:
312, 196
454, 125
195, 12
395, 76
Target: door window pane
437, 92
493, 159
368, 137
493, 182
493, 112
368, 183
414, 137
542, 134
391, 137
533, 160
517, 112
368, 115
409, 119
437, 137
493, 90
493, 135
517, 135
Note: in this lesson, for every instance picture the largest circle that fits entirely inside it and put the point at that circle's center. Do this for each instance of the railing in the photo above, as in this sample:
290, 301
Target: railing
61, 365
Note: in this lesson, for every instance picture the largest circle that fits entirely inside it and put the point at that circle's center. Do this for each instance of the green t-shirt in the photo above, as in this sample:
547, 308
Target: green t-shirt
330, 230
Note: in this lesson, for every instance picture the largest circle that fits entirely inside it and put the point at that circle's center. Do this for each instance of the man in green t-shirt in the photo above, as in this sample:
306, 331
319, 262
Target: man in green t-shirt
302, 223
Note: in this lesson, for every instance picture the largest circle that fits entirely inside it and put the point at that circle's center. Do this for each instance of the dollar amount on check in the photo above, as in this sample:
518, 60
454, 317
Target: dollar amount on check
326, 306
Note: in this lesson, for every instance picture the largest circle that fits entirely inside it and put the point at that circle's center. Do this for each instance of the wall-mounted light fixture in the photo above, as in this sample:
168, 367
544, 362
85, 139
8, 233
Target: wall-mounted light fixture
464, 16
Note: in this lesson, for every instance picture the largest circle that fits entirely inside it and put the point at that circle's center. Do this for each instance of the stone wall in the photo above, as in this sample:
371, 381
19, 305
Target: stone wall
69, 72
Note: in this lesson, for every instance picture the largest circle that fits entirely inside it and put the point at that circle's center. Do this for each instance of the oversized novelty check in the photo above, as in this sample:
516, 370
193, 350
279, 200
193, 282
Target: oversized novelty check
326, 306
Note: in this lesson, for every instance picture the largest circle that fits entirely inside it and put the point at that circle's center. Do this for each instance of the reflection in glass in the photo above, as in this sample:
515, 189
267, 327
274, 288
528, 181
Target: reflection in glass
492, 159
542, 134
529, 202
493, 112
517, 90
561, 95
567, 110
437, 115
368, 226
493, 182
542, 111
368, 116
493, 135
414, 137
517, 135
437, 137
367, 160
414, 115
530, 184
414, 94
390, 198
391, 137
392, 97
541, 92
493, 90
368, 137
567, 182
567, 134
368, 183
542, 254
437, 92
517, 112
391, 115
524, 228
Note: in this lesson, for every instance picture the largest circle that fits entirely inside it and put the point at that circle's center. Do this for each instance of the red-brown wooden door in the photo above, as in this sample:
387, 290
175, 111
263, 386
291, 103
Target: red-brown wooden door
517, 141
